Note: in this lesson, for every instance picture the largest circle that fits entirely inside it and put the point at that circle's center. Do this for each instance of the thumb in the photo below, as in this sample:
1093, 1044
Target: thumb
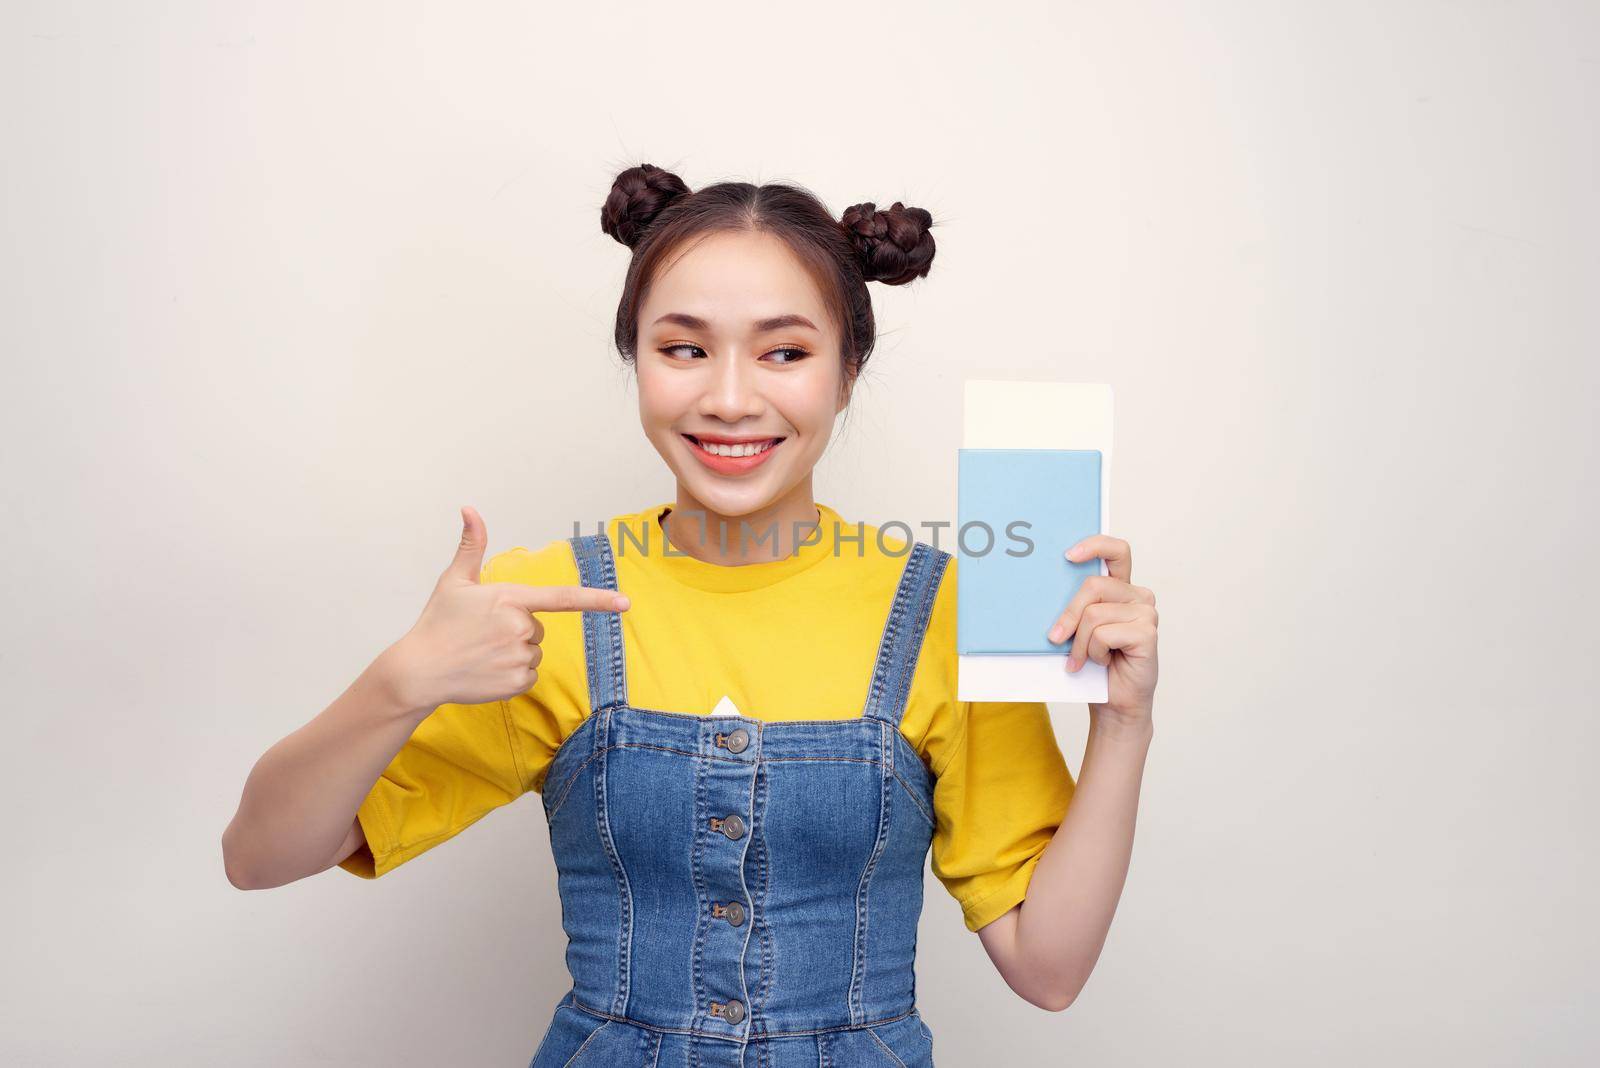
467, 566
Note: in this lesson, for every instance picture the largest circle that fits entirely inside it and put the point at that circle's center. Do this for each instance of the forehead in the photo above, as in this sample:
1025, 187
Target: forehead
732, 277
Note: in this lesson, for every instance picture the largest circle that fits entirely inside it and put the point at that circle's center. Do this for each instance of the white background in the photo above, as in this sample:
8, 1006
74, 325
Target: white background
284, 285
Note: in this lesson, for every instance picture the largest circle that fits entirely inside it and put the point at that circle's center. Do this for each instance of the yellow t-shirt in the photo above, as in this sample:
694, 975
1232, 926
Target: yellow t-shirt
793, 638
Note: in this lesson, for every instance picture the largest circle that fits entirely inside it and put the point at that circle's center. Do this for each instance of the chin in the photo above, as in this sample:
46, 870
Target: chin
729, 500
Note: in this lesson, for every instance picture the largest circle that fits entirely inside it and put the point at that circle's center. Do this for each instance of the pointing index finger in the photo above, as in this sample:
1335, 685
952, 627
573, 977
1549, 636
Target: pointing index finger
563, 598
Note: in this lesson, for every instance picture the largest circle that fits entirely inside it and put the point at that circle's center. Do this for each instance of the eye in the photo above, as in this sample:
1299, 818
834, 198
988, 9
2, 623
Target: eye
670, 349
795, 355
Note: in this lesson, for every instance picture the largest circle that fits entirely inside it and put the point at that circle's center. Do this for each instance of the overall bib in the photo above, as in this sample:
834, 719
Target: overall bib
736, 893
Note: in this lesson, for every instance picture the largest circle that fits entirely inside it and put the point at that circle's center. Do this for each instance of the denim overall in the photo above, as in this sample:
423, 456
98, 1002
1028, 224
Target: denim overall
736, 893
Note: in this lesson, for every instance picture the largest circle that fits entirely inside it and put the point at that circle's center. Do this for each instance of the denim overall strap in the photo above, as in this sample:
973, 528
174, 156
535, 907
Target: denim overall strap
902, 634
602, 631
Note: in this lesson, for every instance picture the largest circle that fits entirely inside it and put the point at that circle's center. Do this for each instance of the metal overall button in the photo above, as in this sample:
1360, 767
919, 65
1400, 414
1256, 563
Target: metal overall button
731, 825
732, 1011
735, 742
733, 912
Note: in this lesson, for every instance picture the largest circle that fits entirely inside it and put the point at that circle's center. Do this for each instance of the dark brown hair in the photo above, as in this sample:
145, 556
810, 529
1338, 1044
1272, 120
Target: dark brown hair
653, 212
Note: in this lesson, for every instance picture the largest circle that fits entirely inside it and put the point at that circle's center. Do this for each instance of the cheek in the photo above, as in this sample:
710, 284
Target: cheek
813, 398
661, 397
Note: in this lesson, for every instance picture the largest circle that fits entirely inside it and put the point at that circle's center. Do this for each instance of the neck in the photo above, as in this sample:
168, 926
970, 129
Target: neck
768, 533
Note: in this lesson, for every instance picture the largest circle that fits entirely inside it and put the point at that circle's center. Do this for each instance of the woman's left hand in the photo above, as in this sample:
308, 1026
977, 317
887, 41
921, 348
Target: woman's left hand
1113, 622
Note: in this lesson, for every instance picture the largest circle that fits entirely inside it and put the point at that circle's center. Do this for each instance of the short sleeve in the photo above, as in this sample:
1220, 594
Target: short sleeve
998, 798
456, 768
460, 764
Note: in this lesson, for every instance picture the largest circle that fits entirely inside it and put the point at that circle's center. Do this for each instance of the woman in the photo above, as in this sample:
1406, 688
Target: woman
739, 710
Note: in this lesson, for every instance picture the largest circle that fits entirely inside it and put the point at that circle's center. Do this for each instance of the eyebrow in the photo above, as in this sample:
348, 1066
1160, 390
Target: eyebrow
777, 322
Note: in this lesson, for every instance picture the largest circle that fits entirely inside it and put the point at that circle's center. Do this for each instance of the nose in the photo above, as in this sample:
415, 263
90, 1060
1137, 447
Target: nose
731, 391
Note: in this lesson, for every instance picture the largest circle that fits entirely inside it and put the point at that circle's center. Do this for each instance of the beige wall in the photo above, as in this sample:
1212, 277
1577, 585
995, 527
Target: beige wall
284, 285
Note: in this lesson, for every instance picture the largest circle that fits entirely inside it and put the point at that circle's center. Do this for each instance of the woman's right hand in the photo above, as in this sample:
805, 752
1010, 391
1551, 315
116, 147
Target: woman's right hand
476, 641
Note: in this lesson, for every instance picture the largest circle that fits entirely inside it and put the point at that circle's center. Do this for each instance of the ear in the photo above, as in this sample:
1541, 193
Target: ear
845, 390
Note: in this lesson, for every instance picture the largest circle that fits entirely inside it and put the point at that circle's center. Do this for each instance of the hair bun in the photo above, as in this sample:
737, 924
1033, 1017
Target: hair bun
895, 244
637, 196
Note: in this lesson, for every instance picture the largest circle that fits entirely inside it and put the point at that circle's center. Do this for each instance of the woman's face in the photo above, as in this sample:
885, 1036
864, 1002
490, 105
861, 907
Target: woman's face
736, 345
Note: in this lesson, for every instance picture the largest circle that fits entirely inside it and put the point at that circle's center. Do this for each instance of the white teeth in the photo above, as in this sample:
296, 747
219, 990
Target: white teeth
749, 448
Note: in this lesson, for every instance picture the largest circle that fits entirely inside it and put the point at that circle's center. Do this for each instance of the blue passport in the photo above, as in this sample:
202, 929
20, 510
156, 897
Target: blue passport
1017, 512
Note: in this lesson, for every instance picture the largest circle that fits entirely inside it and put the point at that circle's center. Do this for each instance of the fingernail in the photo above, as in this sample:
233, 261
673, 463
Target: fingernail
621, 602
1071, 553
1057, 633
1071, 665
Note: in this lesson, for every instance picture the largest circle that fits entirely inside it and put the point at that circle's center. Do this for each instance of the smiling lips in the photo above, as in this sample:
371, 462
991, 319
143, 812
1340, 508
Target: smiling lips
731, 456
